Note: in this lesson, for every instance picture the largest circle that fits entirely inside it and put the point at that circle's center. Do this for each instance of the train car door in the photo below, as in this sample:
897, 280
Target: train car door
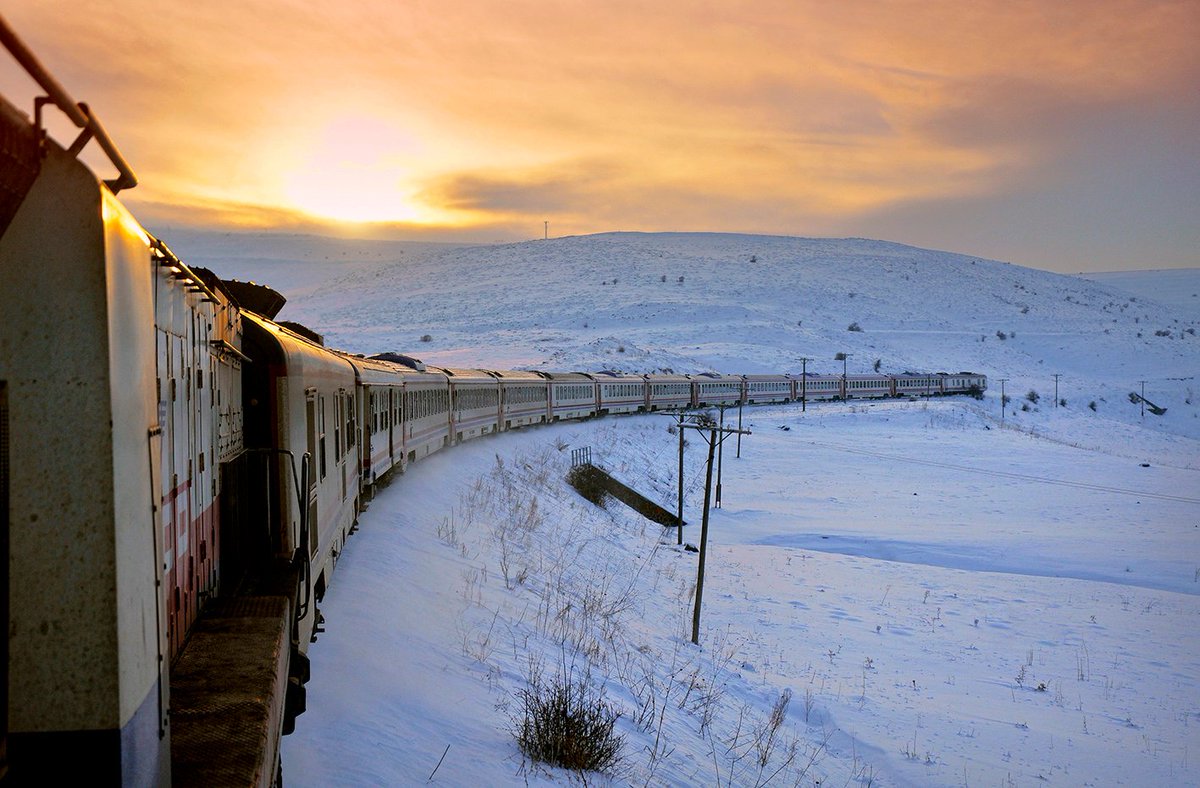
309, 496
392, 406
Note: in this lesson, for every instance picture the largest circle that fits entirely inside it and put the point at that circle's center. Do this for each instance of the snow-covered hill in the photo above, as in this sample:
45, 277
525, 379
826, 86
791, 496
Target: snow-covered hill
734, 303
945, 599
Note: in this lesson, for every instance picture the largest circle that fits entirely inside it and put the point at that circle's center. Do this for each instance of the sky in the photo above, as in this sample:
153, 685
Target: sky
1055, 134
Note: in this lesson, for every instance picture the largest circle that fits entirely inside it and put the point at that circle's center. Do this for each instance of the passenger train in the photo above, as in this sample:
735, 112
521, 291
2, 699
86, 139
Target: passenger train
179, 472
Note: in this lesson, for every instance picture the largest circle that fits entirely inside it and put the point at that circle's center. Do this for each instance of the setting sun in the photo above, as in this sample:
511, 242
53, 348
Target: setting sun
359, 170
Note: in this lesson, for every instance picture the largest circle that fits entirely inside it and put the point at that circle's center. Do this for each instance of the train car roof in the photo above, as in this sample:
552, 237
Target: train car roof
516, 376
464, 375
758, 378
375, 371
300, 350
573, 377
668, 378
401, 359
608, 375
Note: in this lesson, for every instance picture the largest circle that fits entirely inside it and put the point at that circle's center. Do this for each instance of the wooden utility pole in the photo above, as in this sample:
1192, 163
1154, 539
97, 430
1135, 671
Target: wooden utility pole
1002, 398
679, 514
741, 402
720, 455
803, 383
713, 430
712, 445
1143, 399
1056, 377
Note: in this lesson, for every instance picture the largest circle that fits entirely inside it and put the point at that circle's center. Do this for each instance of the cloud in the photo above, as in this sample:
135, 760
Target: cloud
780, 116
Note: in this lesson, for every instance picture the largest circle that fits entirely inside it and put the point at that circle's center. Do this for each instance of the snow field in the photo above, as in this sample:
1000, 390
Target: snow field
955, 662
949, 596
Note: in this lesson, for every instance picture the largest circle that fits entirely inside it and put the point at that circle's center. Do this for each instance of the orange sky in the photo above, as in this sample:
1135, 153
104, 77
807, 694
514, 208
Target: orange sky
1056, 134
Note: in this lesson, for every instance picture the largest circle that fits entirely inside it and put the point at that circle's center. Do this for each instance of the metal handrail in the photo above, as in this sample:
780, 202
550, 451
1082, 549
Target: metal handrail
78, 113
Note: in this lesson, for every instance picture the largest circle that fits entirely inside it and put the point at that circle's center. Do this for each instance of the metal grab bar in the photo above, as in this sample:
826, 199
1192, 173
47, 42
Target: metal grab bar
79, 113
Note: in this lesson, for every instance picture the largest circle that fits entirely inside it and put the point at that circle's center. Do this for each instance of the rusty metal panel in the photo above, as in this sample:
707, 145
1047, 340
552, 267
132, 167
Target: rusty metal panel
20, 161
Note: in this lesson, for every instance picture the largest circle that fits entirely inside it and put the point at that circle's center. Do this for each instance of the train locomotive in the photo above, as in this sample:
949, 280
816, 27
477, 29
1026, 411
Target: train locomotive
179, 473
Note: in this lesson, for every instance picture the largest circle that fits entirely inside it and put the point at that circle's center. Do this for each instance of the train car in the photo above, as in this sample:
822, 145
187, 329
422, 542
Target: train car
426, 414
375, 427
572, 395
867, 386
524, 398
767, 388
912, 384
475, 403
963, 383
301, 401
814, 388
620, 393
710, 388
669, 392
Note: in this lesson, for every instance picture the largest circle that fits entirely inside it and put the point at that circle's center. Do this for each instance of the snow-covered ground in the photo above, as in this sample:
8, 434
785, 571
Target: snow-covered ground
946, 599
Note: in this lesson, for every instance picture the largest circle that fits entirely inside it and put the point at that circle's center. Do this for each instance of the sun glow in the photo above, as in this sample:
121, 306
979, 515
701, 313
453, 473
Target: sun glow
359, 170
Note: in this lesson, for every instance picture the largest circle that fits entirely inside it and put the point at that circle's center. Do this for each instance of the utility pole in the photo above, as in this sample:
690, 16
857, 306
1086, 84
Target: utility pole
844, 357
741, 402
1143, 399
679, 515
712, 430
1056, 377
712, 445
720, 454
546, 237
803, 383
1002, 398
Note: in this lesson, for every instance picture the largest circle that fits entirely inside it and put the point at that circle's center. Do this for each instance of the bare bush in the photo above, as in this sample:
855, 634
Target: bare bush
567, 722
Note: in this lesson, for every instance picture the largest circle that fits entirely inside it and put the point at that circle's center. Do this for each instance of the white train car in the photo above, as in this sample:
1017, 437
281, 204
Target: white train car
620, 393
425, 417
963, 383
767, 388
572, 395
911, 384
524, 398
376, 424
818, 387
475, 403
669, 392
710, 388
303, 399
867, 386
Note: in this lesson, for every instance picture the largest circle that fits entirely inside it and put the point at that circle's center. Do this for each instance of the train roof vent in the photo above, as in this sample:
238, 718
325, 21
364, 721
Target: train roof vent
400, 358
259, 299
304, 331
